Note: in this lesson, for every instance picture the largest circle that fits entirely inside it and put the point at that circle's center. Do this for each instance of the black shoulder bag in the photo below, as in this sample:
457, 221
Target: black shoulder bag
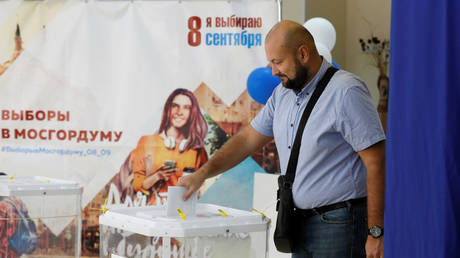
285, 231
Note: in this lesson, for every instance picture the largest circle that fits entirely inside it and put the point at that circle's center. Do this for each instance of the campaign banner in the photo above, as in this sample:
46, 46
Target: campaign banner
125, 97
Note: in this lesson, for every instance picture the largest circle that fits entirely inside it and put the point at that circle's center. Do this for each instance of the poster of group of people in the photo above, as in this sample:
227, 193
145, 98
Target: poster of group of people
125, 97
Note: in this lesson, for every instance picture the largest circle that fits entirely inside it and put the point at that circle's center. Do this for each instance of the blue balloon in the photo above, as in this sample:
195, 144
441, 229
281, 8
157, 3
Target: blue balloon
261, 84
335, 65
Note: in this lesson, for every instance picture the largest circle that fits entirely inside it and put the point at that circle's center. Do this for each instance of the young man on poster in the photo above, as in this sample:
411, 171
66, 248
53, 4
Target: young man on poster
342, 155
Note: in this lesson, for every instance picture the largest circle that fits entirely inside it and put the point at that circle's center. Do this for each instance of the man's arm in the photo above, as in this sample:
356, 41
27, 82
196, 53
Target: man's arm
235, 150
374, 160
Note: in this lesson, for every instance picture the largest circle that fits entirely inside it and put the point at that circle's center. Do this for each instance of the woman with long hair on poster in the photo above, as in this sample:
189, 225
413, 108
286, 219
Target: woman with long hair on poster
160, 159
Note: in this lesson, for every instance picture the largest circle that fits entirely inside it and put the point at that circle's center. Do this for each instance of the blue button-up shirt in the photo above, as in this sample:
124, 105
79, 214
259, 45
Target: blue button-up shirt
343, 121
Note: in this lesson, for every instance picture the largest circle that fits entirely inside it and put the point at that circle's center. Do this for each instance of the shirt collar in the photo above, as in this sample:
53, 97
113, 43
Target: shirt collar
310, 87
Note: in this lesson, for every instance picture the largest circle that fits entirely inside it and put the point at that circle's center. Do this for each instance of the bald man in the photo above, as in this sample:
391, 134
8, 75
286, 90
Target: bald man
340, 177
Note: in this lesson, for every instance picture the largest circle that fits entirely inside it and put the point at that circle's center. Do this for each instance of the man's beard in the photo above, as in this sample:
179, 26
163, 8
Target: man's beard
301, 77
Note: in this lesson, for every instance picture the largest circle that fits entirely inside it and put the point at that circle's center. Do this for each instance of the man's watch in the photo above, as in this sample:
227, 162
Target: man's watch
375, 231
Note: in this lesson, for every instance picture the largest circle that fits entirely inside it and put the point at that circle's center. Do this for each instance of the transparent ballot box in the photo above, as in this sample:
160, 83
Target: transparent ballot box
215, 231
39, 217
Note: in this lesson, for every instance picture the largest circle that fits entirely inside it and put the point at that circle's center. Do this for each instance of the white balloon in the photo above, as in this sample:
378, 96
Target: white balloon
324, 51
322, 30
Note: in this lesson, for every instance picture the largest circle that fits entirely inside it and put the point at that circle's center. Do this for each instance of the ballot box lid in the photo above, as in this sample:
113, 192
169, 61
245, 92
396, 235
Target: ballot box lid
209, 220
36, 185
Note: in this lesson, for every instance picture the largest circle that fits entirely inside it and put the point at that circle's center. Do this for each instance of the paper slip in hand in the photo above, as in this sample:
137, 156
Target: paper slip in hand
175, 200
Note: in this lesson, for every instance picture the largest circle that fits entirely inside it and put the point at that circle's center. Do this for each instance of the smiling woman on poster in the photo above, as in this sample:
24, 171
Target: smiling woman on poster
178, 147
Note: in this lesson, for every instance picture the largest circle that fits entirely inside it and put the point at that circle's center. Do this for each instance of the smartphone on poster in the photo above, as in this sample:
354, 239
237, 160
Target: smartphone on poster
170, 163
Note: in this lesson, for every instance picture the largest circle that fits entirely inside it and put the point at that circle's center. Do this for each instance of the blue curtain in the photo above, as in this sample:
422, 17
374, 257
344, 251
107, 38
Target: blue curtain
422, 216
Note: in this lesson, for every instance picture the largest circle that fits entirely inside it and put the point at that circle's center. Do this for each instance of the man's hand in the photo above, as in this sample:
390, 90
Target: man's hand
192, 182
235, 150
374, 247
374, 160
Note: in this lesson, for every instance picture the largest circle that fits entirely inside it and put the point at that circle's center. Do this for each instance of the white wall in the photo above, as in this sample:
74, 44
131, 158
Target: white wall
293, 10
352, 19
364, 18
334, 11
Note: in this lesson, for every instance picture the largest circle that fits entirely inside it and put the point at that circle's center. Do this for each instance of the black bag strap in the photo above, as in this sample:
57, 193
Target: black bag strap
294, 157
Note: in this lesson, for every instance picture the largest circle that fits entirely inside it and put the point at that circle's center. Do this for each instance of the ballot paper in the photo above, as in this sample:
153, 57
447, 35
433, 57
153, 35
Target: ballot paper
175, 201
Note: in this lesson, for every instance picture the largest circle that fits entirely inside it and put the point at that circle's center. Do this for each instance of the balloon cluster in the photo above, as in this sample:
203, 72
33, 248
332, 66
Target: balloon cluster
261, 82
324, 34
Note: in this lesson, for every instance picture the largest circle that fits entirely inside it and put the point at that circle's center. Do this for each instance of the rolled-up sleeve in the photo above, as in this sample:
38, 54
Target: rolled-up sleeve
358, 120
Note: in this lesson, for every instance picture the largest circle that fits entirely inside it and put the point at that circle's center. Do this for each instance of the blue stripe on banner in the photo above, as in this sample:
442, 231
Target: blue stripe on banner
422, 216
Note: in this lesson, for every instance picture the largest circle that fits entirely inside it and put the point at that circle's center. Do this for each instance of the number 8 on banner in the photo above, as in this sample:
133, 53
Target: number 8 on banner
194, 36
